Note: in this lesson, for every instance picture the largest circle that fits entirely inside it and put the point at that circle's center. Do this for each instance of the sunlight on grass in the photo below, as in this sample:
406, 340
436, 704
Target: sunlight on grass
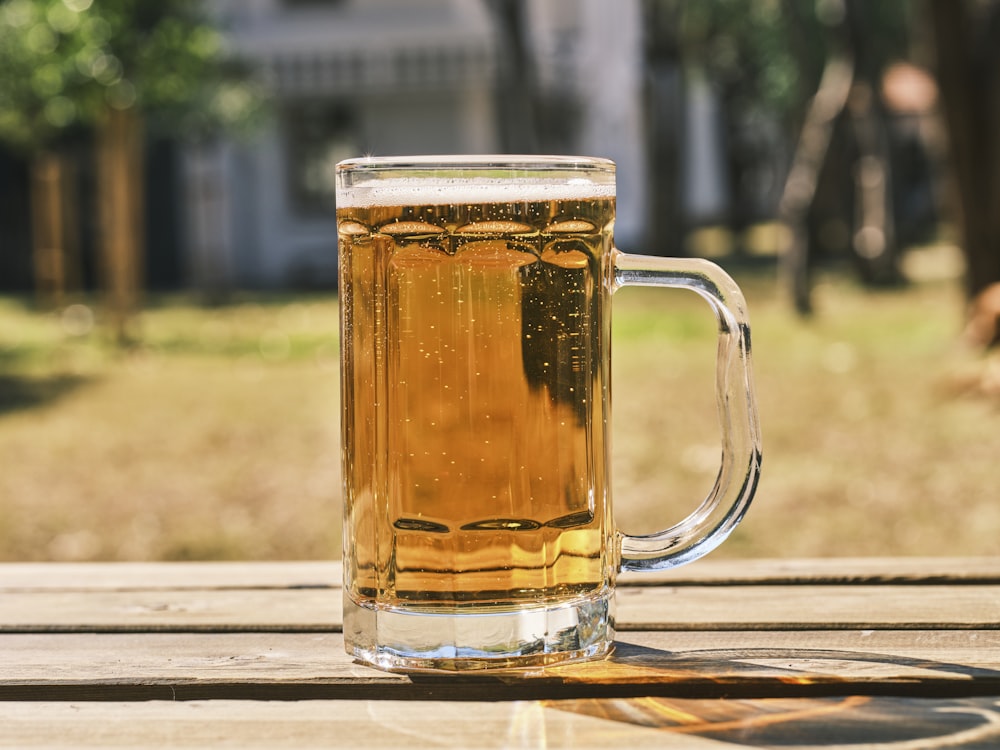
868, 447
218, 437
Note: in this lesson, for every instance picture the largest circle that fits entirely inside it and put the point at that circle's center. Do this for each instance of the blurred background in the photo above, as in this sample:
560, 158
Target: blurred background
168, 268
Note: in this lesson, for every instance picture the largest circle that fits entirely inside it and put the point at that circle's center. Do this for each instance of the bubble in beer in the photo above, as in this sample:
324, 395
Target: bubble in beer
503, 524
574, 226
573, 519
496, 227
565, 257
352, 228
419, 524
496, 254
410, 227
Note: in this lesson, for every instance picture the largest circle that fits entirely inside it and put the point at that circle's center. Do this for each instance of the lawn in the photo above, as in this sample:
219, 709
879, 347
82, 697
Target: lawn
218, 437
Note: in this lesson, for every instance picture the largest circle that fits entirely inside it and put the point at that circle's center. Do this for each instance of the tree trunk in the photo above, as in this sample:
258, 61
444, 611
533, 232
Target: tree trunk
968, 57
518, 82
876, 252
664, 126
803, 177
54, 228
121, 220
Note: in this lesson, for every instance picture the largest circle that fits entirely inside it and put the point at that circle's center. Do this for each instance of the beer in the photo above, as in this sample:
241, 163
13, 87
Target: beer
474, 390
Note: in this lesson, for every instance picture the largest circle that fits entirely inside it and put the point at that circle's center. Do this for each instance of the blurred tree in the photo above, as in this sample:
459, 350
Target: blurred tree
815, 67
664, 125
104, 70
767, 59
840, 183
517, 86
967, 36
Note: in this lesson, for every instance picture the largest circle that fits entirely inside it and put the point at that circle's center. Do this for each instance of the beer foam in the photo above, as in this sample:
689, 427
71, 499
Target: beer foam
437, 191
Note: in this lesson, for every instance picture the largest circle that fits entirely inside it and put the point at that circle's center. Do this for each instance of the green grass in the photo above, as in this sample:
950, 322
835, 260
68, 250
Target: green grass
871, 444
218, 438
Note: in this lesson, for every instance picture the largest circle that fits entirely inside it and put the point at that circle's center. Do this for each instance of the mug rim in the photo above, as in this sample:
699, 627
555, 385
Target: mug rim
476, 162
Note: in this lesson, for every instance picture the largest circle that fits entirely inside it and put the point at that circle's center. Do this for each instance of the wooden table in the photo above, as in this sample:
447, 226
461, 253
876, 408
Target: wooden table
900, 654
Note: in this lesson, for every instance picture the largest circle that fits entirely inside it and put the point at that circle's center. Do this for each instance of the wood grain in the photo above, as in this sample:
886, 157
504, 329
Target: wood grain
789, 653
292, 574
712, 607
174, 575
833, 723
299, 666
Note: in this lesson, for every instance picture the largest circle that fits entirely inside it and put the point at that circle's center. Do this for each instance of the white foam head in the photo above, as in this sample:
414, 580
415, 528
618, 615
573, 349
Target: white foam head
448, 180
403, 192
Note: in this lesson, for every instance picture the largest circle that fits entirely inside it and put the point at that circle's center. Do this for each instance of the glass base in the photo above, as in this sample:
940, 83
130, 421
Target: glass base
457, 641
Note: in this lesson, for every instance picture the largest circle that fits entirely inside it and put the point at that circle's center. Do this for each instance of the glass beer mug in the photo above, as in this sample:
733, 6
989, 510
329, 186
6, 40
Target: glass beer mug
475, 298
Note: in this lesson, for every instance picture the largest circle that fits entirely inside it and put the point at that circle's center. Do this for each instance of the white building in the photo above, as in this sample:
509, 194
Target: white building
349, 77
354, 77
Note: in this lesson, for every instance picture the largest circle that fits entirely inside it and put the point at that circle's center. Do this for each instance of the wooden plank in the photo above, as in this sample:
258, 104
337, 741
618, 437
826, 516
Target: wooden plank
300, 666
809, 606
831, 570
833, 723
104, 610
711, 607
282, 574
171, 575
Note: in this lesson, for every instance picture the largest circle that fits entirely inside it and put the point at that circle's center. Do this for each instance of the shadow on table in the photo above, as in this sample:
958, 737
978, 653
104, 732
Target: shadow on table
901, 713
832, 723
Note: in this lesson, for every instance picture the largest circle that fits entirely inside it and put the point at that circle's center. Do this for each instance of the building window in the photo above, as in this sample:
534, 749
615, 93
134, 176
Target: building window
319, 134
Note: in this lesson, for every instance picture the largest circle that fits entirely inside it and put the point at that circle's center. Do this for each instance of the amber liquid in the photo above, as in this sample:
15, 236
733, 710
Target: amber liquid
474, 392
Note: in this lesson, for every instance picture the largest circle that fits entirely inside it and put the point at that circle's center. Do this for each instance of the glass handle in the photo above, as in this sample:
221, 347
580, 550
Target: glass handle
722, 510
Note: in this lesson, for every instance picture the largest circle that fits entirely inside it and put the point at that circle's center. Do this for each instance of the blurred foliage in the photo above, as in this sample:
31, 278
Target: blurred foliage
63, 63
750, 49
769, 54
